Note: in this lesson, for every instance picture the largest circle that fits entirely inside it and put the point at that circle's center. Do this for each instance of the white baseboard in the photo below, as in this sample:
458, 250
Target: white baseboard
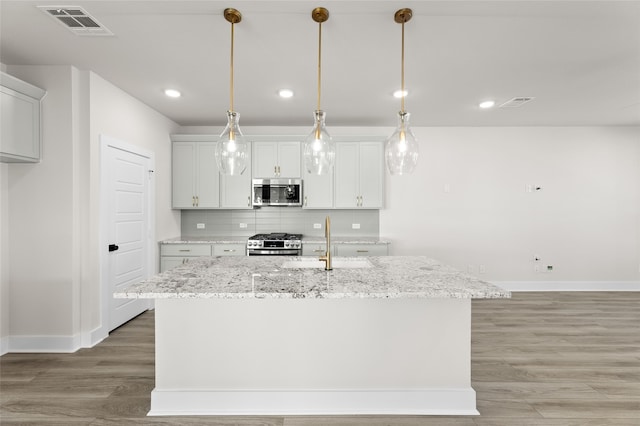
314, 402
44, 344
4, 345
93, 337
569, 285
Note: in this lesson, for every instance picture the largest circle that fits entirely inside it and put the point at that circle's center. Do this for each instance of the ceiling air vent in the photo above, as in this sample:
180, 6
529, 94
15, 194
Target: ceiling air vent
516, 102
77, 20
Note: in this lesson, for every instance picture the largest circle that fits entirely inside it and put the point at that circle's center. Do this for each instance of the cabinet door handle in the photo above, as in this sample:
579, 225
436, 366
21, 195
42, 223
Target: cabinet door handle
113, 247
318, 251
305, 201
362, 251
278, 171
249, 201
193, 201
275, 171
229, 250
197, 201
183, 250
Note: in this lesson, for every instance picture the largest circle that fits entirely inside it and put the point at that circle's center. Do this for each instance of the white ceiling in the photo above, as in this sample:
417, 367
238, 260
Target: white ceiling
579, 59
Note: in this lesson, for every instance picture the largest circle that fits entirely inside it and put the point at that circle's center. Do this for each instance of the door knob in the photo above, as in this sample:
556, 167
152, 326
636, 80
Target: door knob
113, 247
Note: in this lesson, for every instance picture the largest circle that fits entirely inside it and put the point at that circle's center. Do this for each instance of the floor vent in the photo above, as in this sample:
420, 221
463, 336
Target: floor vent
516, 102
76, 20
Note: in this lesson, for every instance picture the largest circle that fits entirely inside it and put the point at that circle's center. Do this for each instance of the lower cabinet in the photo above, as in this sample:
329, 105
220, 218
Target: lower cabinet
172, 255
229, 249
355, 250
345, 250
315, 249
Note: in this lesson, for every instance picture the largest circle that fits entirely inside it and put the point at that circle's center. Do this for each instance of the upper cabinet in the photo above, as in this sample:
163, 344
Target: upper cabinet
359, 175
196, 181
20, 134
276, 159
235, 191
317, 190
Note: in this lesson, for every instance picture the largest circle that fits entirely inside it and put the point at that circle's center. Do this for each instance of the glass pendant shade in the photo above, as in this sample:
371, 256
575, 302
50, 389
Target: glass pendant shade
319, 149
232, 148
401, 149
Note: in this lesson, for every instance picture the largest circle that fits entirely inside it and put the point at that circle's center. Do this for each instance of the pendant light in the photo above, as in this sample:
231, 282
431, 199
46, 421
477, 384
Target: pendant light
232, 148
401, 149
318, 147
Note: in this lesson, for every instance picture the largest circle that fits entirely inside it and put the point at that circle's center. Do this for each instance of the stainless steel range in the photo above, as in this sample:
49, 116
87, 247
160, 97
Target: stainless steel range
275, 244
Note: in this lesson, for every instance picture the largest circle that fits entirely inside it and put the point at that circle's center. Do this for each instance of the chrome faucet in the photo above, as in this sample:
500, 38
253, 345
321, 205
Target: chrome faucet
327, 256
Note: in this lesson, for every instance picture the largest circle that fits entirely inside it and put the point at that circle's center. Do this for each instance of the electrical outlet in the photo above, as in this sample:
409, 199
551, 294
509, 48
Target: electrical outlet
549, 268
199, 225
317, 226
243, 225
355, 226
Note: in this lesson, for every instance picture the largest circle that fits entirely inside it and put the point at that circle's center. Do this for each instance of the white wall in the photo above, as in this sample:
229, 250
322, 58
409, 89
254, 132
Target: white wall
41, 222
51, 291
4, 257
117, 114
584, 221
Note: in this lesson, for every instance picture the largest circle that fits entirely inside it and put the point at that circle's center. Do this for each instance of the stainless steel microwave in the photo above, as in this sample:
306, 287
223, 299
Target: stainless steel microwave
277, 192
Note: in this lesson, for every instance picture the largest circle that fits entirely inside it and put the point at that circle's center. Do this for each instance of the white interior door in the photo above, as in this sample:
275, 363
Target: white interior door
128, 246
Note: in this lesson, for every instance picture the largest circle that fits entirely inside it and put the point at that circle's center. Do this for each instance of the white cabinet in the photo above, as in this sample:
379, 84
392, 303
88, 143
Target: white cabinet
317, 190
230, 249
196, 181
235, 191
316, 249
359, 175
355, 250
20, 133
276, 159
172, 255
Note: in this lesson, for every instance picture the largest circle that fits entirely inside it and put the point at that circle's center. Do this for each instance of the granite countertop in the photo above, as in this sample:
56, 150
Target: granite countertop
241, 277
205, 240
243, 240
345, 240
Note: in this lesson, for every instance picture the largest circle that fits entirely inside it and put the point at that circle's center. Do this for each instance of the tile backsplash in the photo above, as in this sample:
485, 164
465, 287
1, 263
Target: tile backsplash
245, 223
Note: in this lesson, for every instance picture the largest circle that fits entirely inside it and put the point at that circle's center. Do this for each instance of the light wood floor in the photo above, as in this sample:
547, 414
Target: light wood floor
538, 359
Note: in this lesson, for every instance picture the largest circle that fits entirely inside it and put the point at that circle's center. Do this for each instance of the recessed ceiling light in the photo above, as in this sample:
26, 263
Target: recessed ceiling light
172, 93
400, 93
285, 93
487, 104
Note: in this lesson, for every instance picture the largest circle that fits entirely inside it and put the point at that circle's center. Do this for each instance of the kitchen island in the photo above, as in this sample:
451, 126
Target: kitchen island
276, 335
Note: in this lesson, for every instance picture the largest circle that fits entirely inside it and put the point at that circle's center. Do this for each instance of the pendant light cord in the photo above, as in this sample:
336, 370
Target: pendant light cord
319, 61
231, 78
402, 68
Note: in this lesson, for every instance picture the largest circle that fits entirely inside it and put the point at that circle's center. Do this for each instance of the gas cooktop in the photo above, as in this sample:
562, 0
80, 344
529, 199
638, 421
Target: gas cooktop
276, 243
276, 236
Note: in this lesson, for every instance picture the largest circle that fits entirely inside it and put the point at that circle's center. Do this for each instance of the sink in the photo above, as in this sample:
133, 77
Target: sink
337, 263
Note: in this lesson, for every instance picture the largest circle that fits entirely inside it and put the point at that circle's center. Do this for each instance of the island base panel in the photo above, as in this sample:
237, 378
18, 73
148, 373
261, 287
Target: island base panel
313, 356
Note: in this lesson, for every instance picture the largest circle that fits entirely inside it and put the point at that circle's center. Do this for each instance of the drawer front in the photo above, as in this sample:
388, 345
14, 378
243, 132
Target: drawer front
314, 249
348, 250
185, 250
229, 250
170, 262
